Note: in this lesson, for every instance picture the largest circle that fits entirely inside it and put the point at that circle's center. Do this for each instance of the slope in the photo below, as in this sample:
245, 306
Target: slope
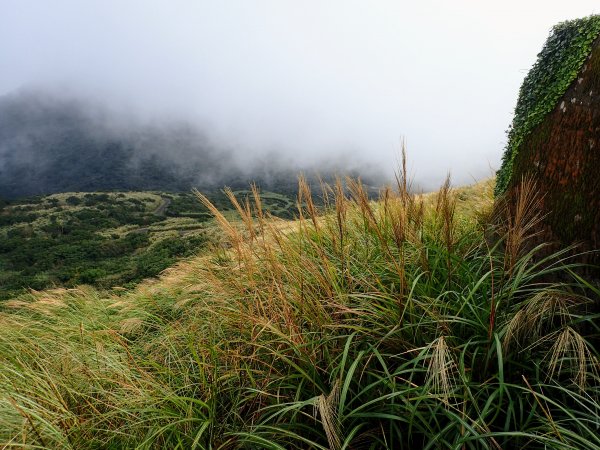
391, 324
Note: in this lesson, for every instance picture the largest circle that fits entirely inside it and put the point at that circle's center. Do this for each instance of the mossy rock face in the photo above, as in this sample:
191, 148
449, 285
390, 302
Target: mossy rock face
561, 150
560, 64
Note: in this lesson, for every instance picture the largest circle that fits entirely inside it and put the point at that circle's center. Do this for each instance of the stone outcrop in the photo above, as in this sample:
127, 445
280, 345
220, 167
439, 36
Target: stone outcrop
561, 154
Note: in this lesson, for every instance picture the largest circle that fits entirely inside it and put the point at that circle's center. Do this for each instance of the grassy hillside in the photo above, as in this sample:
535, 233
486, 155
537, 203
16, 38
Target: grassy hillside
104, 239
411, 322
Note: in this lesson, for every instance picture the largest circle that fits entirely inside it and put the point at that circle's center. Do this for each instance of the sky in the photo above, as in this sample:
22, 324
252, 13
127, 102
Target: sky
309, 80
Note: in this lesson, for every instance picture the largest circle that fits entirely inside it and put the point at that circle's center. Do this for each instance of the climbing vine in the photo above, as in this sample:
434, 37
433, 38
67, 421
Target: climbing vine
557, 66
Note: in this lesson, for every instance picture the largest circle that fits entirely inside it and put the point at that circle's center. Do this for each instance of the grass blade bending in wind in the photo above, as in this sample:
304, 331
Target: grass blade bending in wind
408, 321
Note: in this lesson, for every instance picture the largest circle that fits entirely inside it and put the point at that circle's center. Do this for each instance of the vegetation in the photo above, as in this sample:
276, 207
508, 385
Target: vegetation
411, 322
558, 64
103, 239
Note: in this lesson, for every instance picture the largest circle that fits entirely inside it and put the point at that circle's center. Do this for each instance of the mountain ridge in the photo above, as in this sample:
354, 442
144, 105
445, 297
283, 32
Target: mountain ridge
51, 143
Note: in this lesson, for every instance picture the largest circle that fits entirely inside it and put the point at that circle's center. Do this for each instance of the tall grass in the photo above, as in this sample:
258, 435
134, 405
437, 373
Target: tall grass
402, 323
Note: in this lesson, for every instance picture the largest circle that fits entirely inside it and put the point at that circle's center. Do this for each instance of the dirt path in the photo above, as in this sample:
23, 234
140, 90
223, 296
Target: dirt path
162, 208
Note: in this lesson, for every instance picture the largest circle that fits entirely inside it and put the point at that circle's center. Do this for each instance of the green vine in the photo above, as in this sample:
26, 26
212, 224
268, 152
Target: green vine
557, 66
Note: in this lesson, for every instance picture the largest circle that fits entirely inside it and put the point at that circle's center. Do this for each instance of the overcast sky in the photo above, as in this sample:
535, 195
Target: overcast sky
305, 78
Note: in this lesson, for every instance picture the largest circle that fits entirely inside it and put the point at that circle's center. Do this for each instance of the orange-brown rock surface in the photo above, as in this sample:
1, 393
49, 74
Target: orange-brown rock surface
562, 154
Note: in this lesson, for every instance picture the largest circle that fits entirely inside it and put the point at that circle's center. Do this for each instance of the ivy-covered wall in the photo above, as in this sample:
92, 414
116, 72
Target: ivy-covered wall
557, 66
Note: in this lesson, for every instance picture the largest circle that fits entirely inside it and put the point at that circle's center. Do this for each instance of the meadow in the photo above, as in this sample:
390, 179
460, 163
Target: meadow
413, 321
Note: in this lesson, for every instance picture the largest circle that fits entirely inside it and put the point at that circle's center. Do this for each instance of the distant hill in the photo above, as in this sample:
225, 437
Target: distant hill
51, 144
107, 239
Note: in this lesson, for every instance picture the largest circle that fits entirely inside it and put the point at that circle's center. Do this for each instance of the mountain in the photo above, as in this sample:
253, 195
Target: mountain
51, 143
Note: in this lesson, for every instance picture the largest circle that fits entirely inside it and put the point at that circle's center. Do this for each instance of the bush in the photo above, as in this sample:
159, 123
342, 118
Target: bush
73, 201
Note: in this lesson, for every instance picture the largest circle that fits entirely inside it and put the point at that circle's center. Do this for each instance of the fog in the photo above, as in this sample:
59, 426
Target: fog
310, 83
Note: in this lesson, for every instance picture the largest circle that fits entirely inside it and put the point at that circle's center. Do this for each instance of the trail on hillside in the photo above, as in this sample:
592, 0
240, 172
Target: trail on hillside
162, 208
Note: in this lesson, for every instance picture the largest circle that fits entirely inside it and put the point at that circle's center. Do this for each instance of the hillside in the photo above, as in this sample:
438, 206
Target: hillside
404, 323
105, 239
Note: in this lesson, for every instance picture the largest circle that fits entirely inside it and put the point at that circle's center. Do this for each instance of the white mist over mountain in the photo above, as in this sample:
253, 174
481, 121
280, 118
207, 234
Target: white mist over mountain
305, 81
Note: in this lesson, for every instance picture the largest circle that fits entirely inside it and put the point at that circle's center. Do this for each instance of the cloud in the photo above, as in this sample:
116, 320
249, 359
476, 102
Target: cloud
307, 80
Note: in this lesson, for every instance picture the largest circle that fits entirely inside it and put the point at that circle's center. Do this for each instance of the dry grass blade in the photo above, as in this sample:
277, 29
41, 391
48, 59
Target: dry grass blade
441, 372
446, 209
244, 211
539, 316
571, 349
520, 213
225, 225
305, 200
544, 407
327, 408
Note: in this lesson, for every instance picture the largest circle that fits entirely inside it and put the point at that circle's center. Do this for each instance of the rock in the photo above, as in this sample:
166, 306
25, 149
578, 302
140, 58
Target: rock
560, 154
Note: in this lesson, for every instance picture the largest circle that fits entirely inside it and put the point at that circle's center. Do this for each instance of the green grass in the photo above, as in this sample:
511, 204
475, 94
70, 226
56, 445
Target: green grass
411, 322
